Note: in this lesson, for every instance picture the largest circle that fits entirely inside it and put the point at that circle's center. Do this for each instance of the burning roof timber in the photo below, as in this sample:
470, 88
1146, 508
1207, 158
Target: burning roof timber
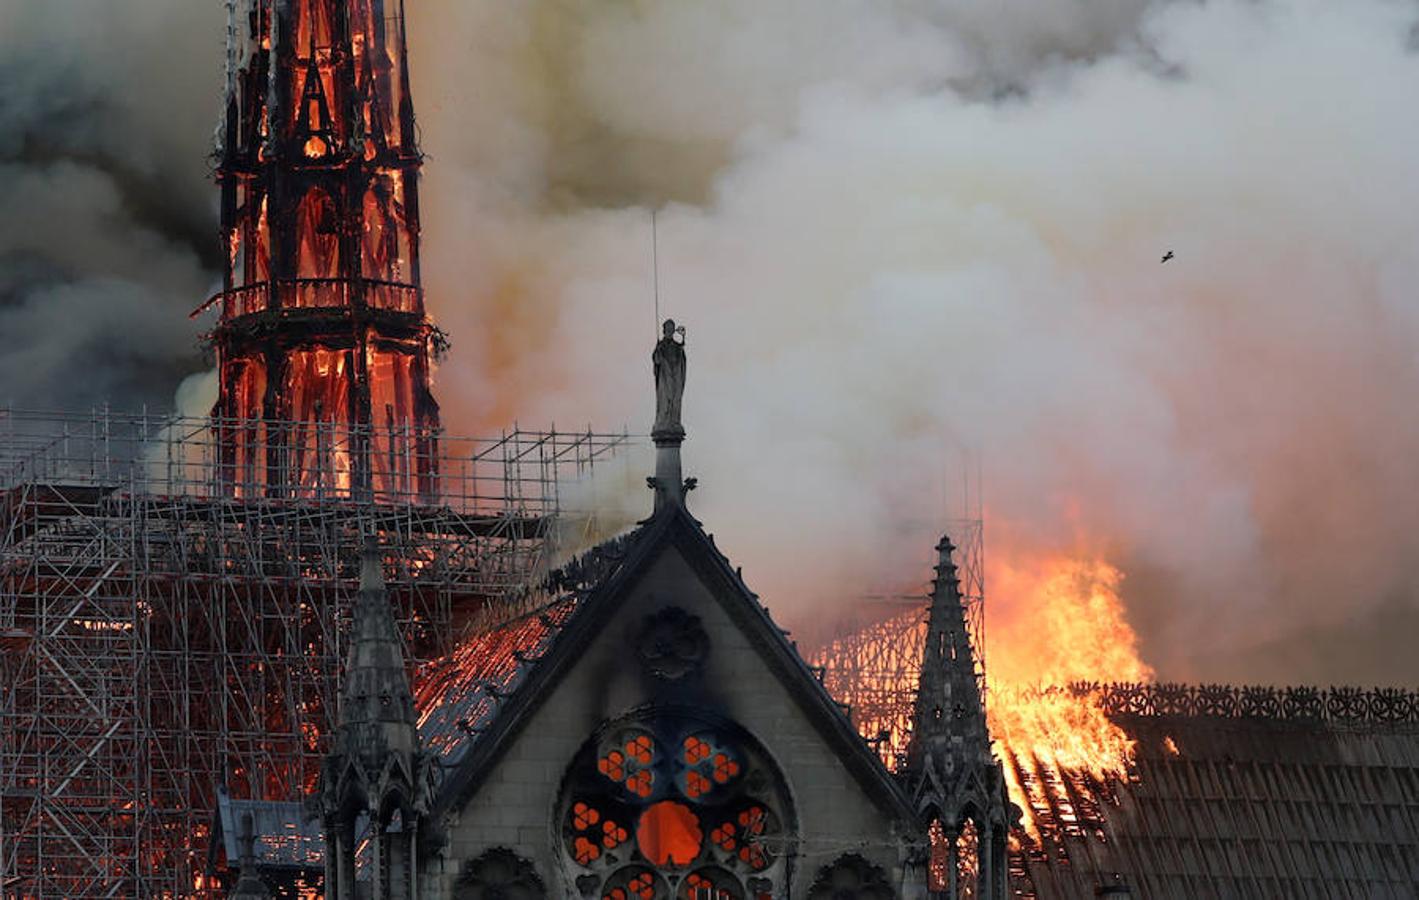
1226, 791
1236, 792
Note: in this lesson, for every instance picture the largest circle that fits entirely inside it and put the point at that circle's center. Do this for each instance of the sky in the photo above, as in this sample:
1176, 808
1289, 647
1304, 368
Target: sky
904, 236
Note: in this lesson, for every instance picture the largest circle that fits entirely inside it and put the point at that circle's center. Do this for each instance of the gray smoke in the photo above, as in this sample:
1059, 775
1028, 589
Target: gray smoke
107, 225
895, 229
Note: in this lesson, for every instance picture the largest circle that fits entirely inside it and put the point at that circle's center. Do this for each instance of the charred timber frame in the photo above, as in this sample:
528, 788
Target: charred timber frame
322, 317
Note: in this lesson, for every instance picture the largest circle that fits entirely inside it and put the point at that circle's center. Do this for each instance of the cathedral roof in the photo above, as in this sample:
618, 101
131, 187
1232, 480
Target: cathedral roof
1235, 792
460, 693
475, 700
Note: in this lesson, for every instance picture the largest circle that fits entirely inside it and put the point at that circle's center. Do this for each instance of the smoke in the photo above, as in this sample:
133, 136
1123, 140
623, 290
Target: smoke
107, 225
897, 229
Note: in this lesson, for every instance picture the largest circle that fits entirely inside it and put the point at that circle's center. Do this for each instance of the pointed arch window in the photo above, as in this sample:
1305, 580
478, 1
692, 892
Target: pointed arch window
318, 239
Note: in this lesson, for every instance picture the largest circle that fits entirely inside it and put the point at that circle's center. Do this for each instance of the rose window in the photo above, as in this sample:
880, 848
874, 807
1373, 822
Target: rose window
673, 806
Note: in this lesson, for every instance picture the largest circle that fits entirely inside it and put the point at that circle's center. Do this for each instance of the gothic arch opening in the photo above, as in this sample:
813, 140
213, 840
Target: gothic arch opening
318, 240
955, 860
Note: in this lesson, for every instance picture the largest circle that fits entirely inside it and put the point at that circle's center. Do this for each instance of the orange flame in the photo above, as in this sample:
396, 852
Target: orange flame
1057, 621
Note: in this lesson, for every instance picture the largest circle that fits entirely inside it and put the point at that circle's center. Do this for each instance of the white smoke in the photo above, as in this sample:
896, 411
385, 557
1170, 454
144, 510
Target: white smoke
895, 228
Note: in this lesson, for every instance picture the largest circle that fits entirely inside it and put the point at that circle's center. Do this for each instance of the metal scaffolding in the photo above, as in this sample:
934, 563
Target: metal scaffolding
166, 629
871, 659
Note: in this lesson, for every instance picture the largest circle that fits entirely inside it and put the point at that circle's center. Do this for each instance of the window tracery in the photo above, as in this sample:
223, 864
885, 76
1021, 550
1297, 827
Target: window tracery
672, 644
671, 805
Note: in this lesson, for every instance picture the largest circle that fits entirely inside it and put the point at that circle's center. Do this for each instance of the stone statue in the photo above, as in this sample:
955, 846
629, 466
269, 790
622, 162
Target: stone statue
669, 364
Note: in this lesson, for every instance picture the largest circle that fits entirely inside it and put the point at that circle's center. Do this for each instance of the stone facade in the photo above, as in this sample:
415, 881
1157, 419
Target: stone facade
516, 804
649, 733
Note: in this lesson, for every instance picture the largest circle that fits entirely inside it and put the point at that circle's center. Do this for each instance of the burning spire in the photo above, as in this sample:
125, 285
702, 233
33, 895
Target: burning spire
323, 344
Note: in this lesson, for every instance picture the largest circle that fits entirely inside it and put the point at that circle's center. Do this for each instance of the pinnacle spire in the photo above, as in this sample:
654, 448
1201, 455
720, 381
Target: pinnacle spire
377, 713
949, 718
319, 171
377, 773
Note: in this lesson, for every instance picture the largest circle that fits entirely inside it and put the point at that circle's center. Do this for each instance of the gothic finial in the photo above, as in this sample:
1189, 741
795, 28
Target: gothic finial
948, 710
945, 561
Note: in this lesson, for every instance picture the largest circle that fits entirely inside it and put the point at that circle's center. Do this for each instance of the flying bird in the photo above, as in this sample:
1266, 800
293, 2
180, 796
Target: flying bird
1167, 256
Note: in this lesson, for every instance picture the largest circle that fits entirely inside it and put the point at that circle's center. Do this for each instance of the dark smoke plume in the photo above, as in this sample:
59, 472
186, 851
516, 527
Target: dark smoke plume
107, 226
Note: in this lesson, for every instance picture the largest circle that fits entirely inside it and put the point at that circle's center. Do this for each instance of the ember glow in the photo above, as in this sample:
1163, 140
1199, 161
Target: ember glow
345, 392
1056, 622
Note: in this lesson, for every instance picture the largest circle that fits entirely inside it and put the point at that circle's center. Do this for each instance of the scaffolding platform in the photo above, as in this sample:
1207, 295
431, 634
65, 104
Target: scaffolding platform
167, 630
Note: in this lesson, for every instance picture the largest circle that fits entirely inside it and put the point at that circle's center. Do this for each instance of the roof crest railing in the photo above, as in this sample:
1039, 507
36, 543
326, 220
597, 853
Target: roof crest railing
1337, 705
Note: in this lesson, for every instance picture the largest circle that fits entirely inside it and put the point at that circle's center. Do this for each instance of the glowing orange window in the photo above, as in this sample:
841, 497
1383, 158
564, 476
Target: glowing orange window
724, 768
613, 835
752, 824
723, 837
640, 885
612, 765
695, 750
585, 851
583, 816
638, 749
696, 785
669, 834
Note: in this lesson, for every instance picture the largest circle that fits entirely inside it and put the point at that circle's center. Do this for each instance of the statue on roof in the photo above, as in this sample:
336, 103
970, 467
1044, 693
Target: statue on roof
668, 361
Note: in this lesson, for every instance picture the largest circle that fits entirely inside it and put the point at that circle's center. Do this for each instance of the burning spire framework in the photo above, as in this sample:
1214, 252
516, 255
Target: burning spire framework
323, 345
173, 593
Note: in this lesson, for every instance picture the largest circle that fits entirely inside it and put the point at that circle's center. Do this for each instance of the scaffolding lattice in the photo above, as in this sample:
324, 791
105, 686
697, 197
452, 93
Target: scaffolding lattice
871, 662
164, 630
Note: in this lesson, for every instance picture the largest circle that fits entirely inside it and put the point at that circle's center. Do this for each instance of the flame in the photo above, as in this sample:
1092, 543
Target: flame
1057, 622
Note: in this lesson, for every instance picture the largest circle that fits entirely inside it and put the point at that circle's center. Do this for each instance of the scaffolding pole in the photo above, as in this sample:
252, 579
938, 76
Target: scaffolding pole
169, 626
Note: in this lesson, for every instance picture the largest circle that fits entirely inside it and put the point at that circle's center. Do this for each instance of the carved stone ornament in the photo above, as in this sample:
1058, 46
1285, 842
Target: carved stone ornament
668, 363
499, 874
671, 644
851, 877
